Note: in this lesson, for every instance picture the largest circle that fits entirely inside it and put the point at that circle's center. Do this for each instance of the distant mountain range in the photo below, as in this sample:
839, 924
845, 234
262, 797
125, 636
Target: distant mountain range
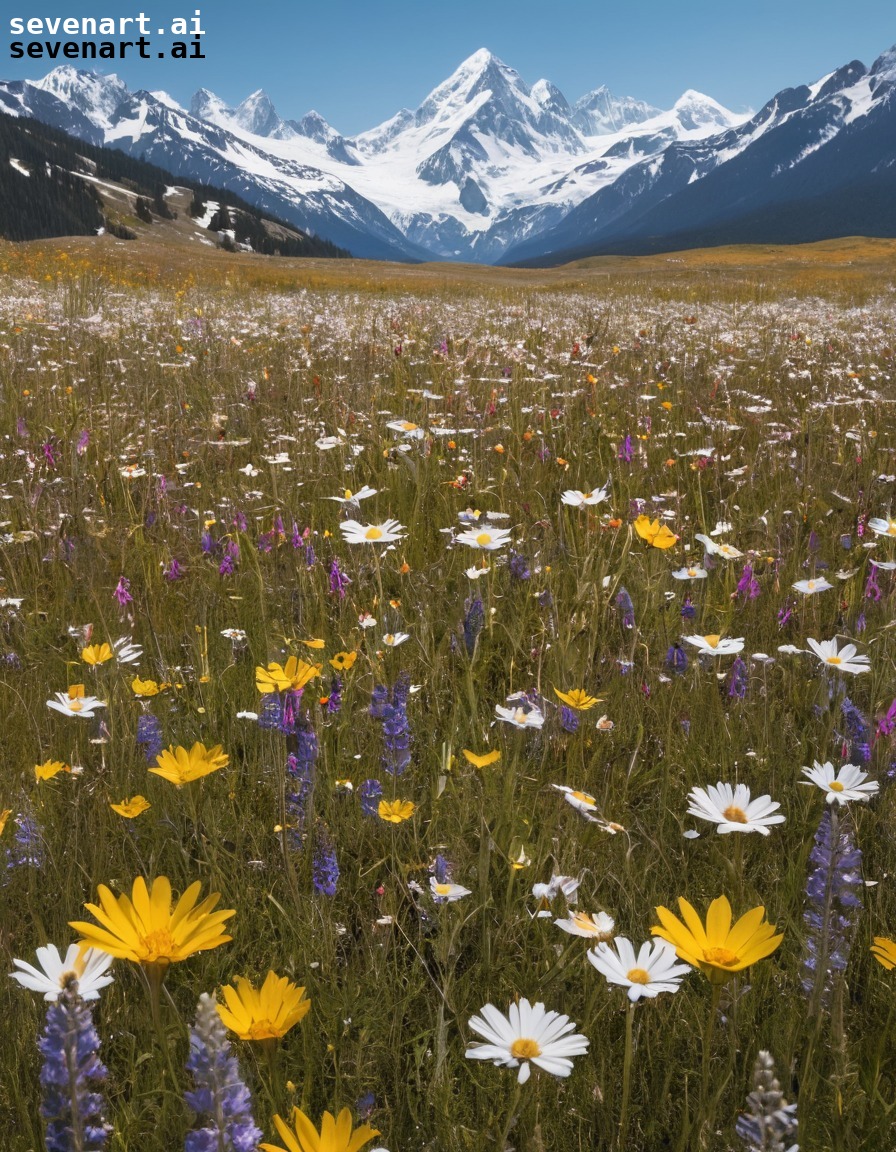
492, 170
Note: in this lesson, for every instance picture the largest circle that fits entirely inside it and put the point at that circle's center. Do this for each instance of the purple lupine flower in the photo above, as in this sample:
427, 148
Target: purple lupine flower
688, 609
625, 452
338, 580
28, 842
624, 603
738, 679
149, 734
379, 700
270, 713
846, 541
396, 729
858, 733
474, 618
230, 558
208, 543
71, 1071
310, 555
785, 613
239, 521
769, 1123
370, 793
324, 865
220, 1099
300, 765
677, 660
518, 567
569, 721
296, 537
366, 1104
834, 895
441, 869
872, 588
290, 716
334, 700
887, 724
748, 585
49, 450
266, 542
122, 591
173, 571
83, 442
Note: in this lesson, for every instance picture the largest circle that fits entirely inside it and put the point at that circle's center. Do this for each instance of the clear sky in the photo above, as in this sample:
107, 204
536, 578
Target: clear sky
358, 62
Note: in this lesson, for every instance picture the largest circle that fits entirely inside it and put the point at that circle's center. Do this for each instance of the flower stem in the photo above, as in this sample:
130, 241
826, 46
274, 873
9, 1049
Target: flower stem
707, 1107
511, 1115
626, 1076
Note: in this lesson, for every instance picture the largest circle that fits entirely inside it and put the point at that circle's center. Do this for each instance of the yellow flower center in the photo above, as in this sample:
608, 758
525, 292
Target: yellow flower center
264, 1030
373, 534
712, 641
442, 889
519, 716
525, 1049
692, 571
735, 815
583, 797
891, 528
483, 538
834, 660
348, 494
75, 705
721, 957
408, 426
638, 976
159, 945
811, 585
836, 786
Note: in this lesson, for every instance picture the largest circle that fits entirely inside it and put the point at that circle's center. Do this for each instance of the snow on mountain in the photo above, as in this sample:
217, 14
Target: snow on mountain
92, 94
600, 113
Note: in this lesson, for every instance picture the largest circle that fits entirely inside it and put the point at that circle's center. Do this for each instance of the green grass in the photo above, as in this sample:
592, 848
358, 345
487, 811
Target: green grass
154, 370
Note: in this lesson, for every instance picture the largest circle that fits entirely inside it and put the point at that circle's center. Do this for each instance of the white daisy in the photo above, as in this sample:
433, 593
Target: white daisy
843, 659
447, 893
408, 428
487, 539
811, 587
882, 527
529, 1032
349, 497
126, 651
728, 551
733, 810
386, 533
597, 927
849, 783
576, 499
70, 704
696, 573
90, 968
716, 645
655, 969
521, 716
393, 639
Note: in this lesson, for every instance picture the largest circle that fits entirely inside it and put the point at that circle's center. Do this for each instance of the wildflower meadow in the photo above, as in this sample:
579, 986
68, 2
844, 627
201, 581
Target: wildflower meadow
446, 713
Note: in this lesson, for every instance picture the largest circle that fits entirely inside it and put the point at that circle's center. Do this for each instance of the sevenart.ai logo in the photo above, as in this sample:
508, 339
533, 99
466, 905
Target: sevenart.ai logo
103, 38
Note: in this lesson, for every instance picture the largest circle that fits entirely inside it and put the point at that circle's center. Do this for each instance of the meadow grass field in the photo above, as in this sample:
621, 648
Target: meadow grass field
613, 505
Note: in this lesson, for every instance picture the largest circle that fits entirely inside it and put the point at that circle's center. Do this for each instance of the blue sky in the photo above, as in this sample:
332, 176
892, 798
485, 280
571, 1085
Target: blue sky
358, 62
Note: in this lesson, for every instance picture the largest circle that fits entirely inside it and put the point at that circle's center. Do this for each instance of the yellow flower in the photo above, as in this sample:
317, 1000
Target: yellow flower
291, 676
344, 661
4, 816
145, 929
144, 687
578, 699
181, 767
314, 643
131, 808
720, 949
395, 811
657, 535
49, 769
95, 654
264, 1013
482, 760
336, 1134
884, 952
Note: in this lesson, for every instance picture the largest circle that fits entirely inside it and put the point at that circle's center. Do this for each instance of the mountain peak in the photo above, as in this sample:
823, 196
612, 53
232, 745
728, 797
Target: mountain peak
695, 111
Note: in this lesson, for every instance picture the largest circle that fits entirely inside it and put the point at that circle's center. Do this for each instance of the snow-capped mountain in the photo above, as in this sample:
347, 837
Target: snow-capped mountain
488, 168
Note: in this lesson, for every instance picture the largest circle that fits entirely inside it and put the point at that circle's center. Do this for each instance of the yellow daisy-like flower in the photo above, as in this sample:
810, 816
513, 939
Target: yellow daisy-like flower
145, 929
336, 1134
884, 952
314, 643
144, 687
265, 1013
95, 654
577, 699
291, 676
136, 806
181, 767
4, 816
344, 661
720, 949
481, 760
49, 769
396, 811
657, 535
